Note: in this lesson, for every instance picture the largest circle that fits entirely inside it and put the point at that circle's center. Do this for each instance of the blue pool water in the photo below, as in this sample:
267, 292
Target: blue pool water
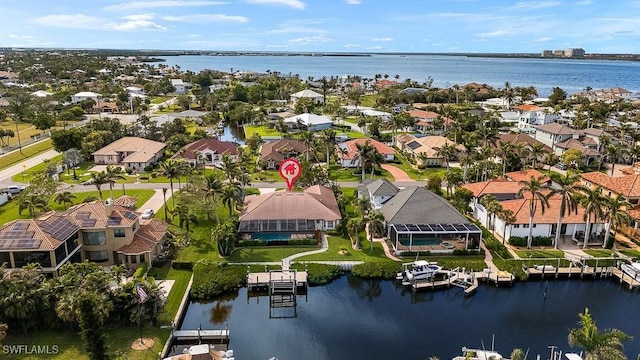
271, 236
421, 242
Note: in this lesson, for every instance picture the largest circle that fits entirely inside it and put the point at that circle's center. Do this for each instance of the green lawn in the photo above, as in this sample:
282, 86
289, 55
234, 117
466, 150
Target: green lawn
70, 346
181, 278
27, 152
266, 253
263, 130
337, 243
420, 174
9, 211
159, 99
550, 253
599, 252
632, 253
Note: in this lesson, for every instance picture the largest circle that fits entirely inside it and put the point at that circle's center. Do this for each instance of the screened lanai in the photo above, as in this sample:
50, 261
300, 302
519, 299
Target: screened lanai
429, 237
276, 225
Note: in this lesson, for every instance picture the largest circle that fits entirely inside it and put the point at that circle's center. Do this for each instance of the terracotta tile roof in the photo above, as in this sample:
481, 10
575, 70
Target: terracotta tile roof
139, 149
524, 175
555, 128
316, 202
634, 212
216, 146
493, 186
274, 150
127, 201
94, 215
351, 148
32, 234
520, 209
527, 107
577, 144
520, 138
628, 185
146, 237
423, 114
430, 145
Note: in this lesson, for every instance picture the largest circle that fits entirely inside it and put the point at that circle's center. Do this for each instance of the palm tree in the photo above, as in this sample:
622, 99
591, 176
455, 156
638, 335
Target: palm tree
307, 139
353, 229
213, 187
32, 203
230, 196
446, 151
567, 189
230, 168
592, 203
328, 137
538, 191
507, 218
114, 173
505, 150
614, 152
185, 217
375, 220
615, 214
606, 345
65, 197
98, 179
550, 159
537, 152
171, 170
363, 155
488, 202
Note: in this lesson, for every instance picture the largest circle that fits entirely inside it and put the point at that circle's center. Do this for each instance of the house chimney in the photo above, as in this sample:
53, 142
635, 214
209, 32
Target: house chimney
108, 206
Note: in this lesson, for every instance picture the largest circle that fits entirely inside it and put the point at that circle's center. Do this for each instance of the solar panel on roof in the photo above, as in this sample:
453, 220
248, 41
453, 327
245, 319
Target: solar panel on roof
83, 215
21, 243
413, 145
130, 215
59, 228
20, 226
113, 221
88, 222
17, 234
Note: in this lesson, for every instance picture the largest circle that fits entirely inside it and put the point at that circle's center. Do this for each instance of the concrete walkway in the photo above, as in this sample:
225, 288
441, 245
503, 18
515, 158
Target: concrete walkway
397, 173
382, 241
286, 262
155, 202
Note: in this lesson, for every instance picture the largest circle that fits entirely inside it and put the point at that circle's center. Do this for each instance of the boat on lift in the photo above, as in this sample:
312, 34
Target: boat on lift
420, 270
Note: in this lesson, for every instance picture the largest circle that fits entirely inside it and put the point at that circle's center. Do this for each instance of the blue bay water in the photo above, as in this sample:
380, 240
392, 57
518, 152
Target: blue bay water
572, 75
353, 318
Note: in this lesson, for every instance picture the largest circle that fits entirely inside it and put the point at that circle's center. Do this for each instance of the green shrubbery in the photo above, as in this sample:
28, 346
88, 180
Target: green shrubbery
535, 241
211, 278
182, 265
301, 242
319, 274
497, 247
377, 270
141, 270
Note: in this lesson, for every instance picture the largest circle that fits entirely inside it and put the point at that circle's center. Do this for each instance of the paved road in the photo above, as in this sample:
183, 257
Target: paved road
6, 174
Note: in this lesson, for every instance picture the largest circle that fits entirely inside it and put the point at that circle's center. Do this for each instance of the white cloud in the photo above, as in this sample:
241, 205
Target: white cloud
277, 46
496, 33
529, 5
136, 22
543, 39
201, 18
78, 21
296, 4
351, 45
25, 37
160, 4
354, 2
310, 40
297, 29
376, 47
382, 39
584, 3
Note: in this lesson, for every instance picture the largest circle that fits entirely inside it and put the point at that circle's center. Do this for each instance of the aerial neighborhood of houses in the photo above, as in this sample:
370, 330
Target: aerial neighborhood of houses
135, 166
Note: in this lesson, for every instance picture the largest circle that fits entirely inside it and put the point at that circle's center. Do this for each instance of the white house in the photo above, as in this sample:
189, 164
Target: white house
348, 150
180, 86
41, 93
312, 122
533, 115
308, 94
84, 95
377, 191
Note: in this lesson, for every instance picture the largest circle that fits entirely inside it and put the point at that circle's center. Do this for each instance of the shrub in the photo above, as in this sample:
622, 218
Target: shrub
182, 265
310, 241
319, 274
148, 168
497, 248
535, 241
377, 270
212, 278
141, 270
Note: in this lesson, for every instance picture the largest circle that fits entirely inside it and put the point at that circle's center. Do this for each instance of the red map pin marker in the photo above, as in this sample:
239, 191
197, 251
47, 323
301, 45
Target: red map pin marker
290, 170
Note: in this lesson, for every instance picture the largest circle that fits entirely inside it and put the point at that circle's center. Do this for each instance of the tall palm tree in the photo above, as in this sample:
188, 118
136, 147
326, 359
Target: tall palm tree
212, 187
328, 137
170, 169
537, 190
114, 173
230, 196
353, 228
614, 152
307, 140
507, 218
615, 214
98, 179
606, 345
32, 203
505, 150
185, 217
65, 197
363, 155
488, 202
592, 203
446, 151
230, 168
375, 220
567, 189
537, 152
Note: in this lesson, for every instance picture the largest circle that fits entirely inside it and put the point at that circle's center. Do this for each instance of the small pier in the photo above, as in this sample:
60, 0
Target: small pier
199, 335
263, 280
499, 277
447, 278
282, 287
626, 279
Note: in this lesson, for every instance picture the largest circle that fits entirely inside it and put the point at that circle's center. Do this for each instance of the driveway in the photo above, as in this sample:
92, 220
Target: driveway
397, 173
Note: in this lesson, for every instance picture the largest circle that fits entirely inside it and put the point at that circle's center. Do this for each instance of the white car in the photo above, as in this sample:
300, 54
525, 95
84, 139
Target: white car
147, 214
15, 189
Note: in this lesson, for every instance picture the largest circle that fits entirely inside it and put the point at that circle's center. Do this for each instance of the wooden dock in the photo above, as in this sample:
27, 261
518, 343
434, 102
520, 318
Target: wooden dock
575, 271
626, 279
199, 335
456, 277
262, 280
499, 278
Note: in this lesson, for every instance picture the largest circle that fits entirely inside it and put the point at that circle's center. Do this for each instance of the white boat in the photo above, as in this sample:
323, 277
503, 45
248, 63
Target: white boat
477, 354
420, 270
632, 270
203, 352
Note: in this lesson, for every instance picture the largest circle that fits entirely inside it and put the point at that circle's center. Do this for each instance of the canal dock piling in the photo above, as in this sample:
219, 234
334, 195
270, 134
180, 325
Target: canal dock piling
456, 277
282, 287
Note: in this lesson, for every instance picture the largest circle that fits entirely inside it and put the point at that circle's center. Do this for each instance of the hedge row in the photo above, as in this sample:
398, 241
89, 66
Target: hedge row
211, 278
319, 274
377, 270
310, 241
535, 241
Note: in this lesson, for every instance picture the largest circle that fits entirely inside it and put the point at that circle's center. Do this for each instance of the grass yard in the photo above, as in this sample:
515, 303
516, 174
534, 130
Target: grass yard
542, 253
70, 346
9, 211
336, 244
266, 253
262, 130
632, 253
27, 152
181, 278
599, 252
420, 174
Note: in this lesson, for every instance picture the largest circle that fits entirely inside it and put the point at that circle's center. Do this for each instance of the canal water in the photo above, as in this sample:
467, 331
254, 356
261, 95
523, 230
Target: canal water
354, 318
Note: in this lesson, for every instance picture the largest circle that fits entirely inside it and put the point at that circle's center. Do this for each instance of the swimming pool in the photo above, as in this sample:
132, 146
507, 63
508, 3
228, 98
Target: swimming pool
271, 236
421, 242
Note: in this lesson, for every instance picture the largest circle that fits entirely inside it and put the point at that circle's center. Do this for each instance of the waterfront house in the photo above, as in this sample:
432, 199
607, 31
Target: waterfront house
131, 152
425, 150
274, 152
348, 150
533, 115
314, 209
101, 232
418, 220
208, 152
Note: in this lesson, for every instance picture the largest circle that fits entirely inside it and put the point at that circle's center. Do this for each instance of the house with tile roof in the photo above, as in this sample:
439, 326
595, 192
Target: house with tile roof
424, 119
348, 150
418, 220
314, 209
131, 152
97, 231
562, 138
377, 191
533, 115
208, 152
274, 152
520, 138
425, 150
544, 224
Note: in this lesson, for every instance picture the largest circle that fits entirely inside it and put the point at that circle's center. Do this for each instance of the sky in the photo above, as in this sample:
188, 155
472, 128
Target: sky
432, 26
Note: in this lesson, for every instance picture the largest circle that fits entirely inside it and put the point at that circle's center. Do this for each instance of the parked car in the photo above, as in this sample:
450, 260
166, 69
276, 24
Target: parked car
561, 166
147, 214
15, 189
